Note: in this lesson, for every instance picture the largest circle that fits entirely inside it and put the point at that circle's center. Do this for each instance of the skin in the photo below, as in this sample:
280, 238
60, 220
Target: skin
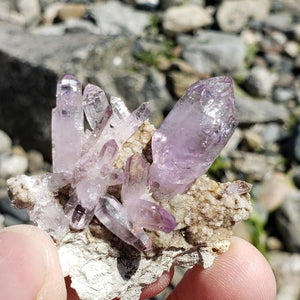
30, 269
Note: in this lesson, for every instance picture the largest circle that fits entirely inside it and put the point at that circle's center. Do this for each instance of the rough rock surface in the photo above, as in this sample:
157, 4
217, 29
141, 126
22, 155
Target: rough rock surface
251, 111
211, 51
232, 16
287, 221
177, 19
113, 18
286, 267
205, 215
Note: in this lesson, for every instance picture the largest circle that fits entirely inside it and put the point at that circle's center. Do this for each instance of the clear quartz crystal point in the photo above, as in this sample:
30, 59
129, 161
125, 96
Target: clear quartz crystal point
142, 212
125, 124
120, 111
113, 216
91, 182
67, 125
95, 104
120, 129
192, 135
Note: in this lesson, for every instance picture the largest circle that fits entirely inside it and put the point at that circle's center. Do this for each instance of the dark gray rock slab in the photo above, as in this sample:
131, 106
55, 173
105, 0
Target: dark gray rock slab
115, 18
31, 65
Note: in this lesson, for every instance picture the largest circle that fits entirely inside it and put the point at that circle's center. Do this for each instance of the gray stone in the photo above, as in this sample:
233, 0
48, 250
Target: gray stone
81, 26
284, 80
177, 19
30, 9
1, 221
271, 133
297, 143
232, 16
57, 29
286, 267
9, 14
12, 165
273, 59
279, 38
253, 165
136, 88
292, 49
280, 21
251, 111
253, 138
273, 191
165, 4
116, 18
296, 176
149, 44
232, 144
296, 32
259, 82
5, 142
212, 51
35, 161
287, 220
284, 94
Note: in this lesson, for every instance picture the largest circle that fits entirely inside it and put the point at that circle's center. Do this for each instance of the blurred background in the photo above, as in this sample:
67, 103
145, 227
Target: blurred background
152, 50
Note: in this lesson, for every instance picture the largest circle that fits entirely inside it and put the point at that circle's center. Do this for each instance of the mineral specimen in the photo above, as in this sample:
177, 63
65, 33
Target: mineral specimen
119, 183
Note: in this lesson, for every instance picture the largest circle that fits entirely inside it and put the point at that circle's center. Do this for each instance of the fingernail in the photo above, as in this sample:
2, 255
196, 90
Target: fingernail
24, 263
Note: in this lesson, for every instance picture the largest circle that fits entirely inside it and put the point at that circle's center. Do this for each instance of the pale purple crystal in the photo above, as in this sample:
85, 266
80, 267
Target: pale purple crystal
112, 215
142, 212
149, 215
136, 178
192, 135
91, 181
67, 125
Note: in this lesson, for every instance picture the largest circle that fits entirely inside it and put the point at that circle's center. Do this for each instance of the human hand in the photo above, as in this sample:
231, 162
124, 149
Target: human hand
30, 269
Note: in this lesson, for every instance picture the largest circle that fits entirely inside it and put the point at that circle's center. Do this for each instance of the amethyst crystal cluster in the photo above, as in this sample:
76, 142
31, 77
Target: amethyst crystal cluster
183, 148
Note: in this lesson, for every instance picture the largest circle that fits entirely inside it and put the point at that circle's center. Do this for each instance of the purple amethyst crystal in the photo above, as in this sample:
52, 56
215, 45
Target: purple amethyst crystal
192, 135
143, 212
183, 148
67, 125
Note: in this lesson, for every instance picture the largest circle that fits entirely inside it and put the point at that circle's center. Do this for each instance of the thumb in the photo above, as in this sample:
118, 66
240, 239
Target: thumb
29, 265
